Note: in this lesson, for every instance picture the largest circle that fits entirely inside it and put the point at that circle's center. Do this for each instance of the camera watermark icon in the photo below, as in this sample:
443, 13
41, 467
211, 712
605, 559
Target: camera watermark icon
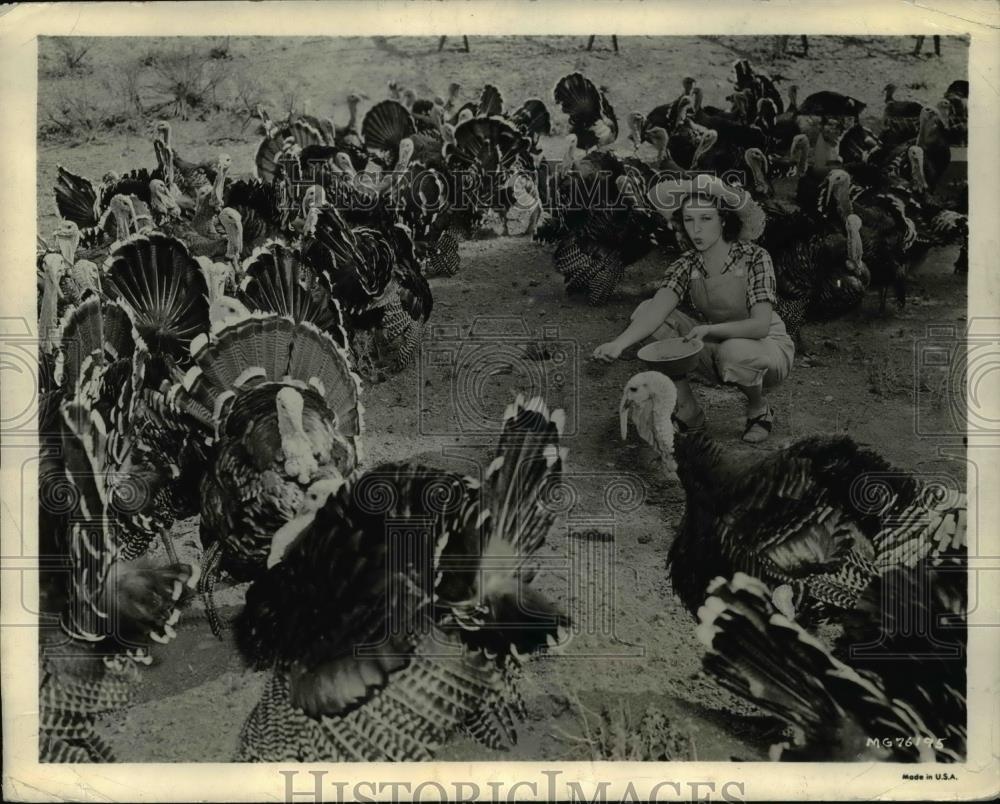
467, 378
957, 382
20, 380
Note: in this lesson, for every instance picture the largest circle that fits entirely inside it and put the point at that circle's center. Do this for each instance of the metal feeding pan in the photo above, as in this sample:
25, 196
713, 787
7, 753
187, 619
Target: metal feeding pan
675, 357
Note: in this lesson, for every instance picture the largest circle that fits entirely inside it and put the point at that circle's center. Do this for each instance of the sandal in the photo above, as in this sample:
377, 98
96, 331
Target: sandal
682, 426
764, 423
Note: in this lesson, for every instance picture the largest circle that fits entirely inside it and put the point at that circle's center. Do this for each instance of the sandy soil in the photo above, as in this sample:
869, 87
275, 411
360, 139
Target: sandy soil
632, 641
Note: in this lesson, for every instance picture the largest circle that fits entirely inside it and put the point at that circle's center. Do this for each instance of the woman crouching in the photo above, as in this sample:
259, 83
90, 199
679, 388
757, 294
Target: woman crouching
730, 282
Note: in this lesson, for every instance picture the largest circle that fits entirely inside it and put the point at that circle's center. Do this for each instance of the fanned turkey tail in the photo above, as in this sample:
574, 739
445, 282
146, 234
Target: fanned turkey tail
490, 102
267, 348
909, 628
502, 615
165, 292
834, 712
76, 199
532, 118
278, 280
384, 127
586, 106
497, 605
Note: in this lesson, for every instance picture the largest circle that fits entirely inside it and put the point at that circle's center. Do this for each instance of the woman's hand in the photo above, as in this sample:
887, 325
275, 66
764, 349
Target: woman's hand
607, 352
701, 332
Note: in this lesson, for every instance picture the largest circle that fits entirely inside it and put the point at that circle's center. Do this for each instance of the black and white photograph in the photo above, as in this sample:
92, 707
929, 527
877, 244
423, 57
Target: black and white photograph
469, 398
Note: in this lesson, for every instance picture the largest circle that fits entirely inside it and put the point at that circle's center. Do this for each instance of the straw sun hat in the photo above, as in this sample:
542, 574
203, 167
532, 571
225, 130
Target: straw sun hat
668, 195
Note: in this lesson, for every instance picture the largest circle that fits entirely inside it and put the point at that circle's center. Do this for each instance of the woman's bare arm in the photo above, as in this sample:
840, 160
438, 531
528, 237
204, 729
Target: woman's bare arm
648, 317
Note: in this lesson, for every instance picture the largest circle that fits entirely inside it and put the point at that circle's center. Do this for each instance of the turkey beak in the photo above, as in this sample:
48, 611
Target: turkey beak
623, 409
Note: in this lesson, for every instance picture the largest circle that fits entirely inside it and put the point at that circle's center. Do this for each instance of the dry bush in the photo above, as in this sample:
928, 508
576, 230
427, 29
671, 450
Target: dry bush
126, 87
70, 58
290, 100
614, 734
887, 376
220, 50
187, 80
248, 97
77, 113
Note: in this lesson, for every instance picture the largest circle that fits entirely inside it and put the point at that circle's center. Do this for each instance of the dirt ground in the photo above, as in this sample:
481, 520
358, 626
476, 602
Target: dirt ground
632, 641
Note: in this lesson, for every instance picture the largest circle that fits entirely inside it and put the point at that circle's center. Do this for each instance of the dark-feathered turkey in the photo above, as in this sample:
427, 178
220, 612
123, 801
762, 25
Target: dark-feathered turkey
100, 614
375, 277
284, 407
601, 226
837, 709
591, 117
420, 612
823, 516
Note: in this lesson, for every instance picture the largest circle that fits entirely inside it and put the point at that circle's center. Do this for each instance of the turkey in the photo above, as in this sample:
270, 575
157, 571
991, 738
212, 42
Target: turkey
278, 153
648, 402
118, 207
819, 264
900, 117
603, 226
741, 107
909, 629
836, 711
278, 279
734, 133
349, 134
376, 279
666, 116
486, 159
211, 231
384, 127
103, 359
63, 283
831, 104
422, 200
887, 232
100, 618
957, 97
181, 174
346, 135
532, 119
283, 407
760, 86
490, 104
166, 294
766, 170
444, 607
823, 516
591, 118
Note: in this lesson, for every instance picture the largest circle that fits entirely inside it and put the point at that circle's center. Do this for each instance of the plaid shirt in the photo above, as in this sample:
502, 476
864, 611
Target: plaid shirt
761, 284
